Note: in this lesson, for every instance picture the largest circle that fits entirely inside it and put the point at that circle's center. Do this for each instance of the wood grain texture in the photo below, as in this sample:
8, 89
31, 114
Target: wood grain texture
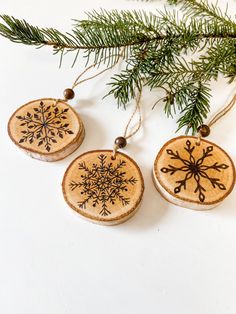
103, 190
46, 131
193, 176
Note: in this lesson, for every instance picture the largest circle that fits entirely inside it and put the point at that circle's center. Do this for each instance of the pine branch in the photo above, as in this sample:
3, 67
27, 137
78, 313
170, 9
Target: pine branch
154, 48
125, 84
204, 9
194, 99
111, 31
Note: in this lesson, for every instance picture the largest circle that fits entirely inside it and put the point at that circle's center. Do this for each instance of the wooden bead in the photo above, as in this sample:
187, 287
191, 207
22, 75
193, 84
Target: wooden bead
69, 93
121, 141
204, 130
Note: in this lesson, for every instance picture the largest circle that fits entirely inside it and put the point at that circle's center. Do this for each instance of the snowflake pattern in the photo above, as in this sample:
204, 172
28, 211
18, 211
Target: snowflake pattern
44, 126
103, 184
195, 168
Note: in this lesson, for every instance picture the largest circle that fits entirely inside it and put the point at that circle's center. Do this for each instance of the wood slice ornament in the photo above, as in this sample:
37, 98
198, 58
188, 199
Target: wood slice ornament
46, 129
192, 174
103, 189
105, 186
49, 129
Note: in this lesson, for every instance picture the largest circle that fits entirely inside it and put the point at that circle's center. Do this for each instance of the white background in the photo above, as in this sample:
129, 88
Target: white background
166, 259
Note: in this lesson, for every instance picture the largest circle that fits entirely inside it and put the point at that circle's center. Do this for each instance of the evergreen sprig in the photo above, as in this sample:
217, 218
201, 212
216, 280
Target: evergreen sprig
155, 48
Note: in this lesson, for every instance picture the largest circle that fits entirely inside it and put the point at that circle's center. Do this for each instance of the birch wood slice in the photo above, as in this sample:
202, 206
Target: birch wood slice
193, 176
103, 190
46, 131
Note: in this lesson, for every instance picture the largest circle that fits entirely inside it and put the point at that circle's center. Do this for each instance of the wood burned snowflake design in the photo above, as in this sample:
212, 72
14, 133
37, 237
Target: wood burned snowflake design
44, 125
103, 184
195, 168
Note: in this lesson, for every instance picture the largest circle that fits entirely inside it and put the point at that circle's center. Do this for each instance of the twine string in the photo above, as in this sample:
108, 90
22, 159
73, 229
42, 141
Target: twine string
78, 80
223, 112
218, 116
138, 111
127, 134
